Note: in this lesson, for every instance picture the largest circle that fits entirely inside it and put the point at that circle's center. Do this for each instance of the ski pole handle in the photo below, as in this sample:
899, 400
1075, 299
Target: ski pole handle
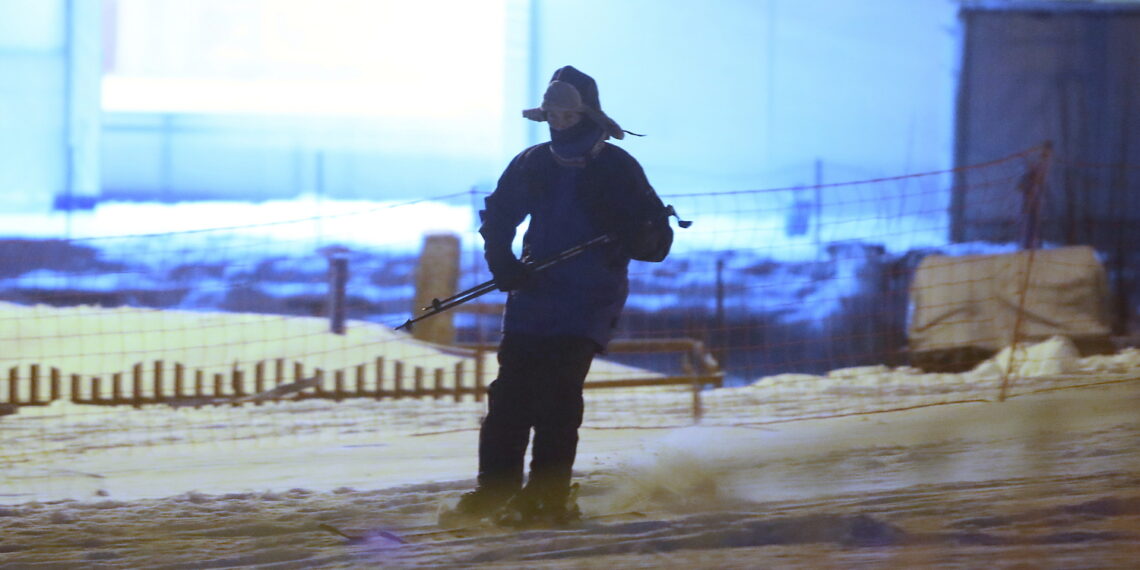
438, 306
670, 211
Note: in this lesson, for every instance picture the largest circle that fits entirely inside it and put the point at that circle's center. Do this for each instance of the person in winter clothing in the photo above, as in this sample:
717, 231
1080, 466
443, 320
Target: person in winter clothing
574, 188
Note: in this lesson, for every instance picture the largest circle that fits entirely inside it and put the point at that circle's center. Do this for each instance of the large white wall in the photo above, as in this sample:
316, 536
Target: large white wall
733, 94
32, 102
738, 94
49, 106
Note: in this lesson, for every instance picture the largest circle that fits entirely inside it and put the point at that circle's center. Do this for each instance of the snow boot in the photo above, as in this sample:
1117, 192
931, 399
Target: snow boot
475, 505
532, 509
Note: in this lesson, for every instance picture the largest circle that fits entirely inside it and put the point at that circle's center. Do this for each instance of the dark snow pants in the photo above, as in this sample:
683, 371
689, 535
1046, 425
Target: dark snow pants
539, 387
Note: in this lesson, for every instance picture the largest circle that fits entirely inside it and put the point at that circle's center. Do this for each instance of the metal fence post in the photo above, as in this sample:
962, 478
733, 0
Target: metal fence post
338, 281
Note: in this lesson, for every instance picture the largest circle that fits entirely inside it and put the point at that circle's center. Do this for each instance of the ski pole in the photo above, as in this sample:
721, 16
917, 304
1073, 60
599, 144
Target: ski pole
438, 306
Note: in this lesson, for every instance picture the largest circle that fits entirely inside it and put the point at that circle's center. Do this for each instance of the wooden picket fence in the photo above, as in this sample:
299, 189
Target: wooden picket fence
174, 384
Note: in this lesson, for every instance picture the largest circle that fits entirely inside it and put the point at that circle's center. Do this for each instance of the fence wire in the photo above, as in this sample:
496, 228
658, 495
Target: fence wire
790, 303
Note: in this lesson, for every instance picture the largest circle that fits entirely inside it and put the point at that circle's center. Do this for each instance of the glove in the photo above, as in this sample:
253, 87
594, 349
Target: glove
646, 240
509, 273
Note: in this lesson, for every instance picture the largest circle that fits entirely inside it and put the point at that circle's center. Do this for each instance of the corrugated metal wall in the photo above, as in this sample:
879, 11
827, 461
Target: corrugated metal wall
1070, 75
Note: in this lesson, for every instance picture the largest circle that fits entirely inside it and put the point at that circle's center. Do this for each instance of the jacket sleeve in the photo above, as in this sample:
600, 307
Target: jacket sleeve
647, 234
505, 208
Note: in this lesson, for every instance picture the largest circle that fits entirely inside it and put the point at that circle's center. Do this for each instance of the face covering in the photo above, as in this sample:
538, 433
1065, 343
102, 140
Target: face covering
575, 142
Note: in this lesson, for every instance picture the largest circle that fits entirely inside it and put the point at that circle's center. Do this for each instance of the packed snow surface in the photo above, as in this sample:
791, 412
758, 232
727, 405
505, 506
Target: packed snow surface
790, 471
1029, 460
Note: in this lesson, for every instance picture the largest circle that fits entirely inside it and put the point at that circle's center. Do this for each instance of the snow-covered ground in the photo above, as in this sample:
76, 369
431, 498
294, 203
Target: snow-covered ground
790, 471
867, 466
970, 485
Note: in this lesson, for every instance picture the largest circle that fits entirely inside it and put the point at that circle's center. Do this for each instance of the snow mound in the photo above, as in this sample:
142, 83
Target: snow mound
1055, 356
1124, 361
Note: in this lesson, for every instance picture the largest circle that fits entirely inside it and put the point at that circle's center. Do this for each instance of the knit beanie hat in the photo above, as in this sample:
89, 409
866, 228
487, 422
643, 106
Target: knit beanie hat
572, 90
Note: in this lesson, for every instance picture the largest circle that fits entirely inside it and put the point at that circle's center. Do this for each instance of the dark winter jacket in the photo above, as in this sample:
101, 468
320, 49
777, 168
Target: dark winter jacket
584, 295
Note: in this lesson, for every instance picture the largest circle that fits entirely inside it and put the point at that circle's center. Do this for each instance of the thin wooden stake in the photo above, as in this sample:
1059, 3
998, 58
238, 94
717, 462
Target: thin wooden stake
458, 392
136, 371
398, 389
199, 383
56, 385
14, 386
338, 385
179, 379
237, 380
360, 371
259, 378
34, 384
158, 373
379, 377
76, 386
116, 388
